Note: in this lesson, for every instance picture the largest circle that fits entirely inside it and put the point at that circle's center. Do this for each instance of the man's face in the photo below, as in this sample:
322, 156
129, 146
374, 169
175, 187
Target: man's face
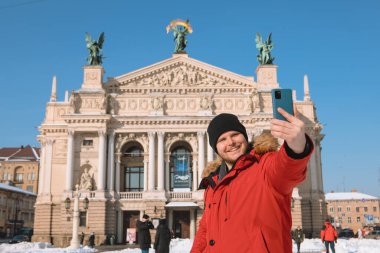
230, 146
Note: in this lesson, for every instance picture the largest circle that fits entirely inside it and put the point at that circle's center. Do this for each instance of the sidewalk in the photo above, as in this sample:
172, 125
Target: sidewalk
103, 248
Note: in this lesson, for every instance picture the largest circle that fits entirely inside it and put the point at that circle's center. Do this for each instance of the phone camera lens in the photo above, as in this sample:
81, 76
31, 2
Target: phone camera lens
277, 94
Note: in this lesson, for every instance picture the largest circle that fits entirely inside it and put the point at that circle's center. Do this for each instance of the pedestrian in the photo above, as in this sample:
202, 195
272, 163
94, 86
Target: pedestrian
248, 193
91, 240
81, 239
360, 234
298, 237
163, 237
329, 236
143, 234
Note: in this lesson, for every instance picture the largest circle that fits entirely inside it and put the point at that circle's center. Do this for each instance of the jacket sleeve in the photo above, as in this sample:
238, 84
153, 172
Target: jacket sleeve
200, 243
285, 170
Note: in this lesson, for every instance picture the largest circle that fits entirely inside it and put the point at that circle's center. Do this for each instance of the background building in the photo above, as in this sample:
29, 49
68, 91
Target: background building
16, 209
20, 166
138, 144
352, 209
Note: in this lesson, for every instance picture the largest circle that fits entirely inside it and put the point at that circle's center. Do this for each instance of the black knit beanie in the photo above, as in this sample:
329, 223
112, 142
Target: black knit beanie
222, 123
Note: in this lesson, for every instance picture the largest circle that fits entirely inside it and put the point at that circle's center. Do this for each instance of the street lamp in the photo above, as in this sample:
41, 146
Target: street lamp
74, 244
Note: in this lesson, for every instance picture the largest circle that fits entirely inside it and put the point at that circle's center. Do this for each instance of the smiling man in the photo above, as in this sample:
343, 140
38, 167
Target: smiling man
248, 194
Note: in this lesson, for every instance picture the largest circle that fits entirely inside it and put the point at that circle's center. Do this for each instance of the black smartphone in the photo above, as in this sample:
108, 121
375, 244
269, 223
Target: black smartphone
282, 98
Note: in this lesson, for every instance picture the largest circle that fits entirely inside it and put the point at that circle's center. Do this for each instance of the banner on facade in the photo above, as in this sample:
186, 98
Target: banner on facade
181, 175
131, 235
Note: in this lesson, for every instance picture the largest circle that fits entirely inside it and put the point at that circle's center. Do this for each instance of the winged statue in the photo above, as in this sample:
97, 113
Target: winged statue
180, 30
94, 47
265, 48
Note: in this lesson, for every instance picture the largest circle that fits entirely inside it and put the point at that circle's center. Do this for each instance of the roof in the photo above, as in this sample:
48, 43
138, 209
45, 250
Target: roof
348, 196
21, 153
15, 189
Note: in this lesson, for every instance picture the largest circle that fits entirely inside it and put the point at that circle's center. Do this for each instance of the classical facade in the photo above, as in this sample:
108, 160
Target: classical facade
137, 144
20, 166
353, 209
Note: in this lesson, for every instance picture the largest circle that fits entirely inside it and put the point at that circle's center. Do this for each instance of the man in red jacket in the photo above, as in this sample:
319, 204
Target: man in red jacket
248, 195
329, 236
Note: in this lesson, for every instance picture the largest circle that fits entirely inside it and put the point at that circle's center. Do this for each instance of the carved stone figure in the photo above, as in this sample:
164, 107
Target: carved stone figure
264, 49
94, 47
157, 103
255, 106
205, 103
74, 103
86, 180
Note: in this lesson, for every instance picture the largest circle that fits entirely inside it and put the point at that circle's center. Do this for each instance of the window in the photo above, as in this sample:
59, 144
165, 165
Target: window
340, 220
357, 209
33, 176
18, 177
339, 209
29, 188
349, 219
134, 170
358, 219
348, 209
374, 209
331, 209
82, 219
365, 209
87, 142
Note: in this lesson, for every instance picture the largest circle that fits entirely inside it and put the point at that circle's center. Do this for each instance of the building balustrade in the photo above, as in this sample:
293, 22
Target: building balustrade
131, 195
180, 195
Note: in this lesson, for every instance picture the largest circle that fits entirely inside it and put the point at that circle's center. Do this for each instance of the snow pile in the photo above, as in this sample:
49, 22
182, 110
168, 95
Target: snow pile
184, 246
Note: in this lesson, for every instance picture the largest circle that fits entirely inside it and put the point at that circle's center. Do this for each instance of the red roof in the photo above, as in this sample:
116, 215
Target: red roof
26, 153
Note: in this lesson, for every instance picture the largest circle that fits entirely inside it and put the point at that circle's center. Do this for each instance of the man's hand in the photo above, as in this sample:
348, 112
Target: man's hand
292, 132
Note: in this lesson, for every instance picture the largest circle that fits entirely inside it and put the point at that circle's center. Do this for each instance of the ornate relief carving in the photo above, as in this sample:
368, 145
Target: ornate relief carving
254, 102
122, 139
75, 102
60, 150
171, 138
157, 103
205, 102
181, 75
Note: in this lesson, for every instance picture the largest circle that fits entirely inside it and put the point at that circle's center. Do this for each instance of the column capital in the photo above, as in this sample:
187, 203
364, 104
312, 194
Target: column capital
160, 134
50, 141
70, 132
118, 157
111, 133
102, 132
200, 134
151, 135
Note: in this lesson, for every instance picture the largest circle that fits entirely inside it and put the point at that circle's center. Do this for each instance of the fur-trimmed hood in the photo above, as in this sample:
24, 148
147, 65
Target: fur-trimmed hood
261, 144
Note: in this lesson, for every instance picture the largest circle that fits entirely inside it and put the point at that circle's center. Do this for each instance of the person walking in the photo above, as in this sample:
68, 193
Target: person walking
143, 234
298, 237
81, 239
91, 240
360, 234
248, 193
329, 236
163, 237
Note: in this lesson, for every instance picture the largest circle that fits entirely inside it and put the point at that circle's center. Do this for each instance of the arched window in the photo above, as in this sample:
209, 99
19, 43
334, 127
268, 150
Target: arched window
133, 169
181, 174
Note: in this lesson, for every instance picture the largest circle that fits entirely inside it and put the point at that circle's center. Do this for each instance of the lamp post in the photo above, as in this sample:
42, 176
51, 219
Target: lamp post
74, 244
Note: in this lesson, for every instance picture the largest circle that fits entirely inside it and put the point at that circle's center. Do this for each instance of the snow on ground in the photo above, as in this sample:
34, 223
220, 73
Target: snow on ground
184, 245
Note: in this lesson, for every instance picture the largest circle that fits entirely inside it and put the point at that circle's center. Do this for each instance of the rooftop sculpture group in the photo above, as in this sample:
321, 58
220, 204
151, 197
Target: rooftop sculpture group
179, 34
94, 47
264, 49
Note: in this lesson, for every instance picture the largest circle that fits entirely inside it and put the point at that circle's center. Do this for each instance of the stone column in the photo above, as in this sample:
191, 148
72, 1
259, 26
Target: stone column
42, 168
49, 158
102, 160
210, 152
160, 161
120, 226
70, 160
195, 176
145, 174
151, 173
117, 177
111, 163
167, 173
192, 223
313, 171
201, 154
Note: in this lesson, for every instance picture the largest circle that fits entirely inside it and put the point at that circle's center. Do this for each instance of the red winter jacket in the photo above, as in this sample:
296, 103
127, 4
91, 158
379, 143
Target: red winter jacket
249, 209
329, 234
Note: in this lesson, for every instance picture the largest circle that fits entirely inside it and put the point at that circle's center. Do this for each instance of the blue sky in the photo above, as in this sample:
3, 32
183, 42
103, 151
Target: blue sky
336, 43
